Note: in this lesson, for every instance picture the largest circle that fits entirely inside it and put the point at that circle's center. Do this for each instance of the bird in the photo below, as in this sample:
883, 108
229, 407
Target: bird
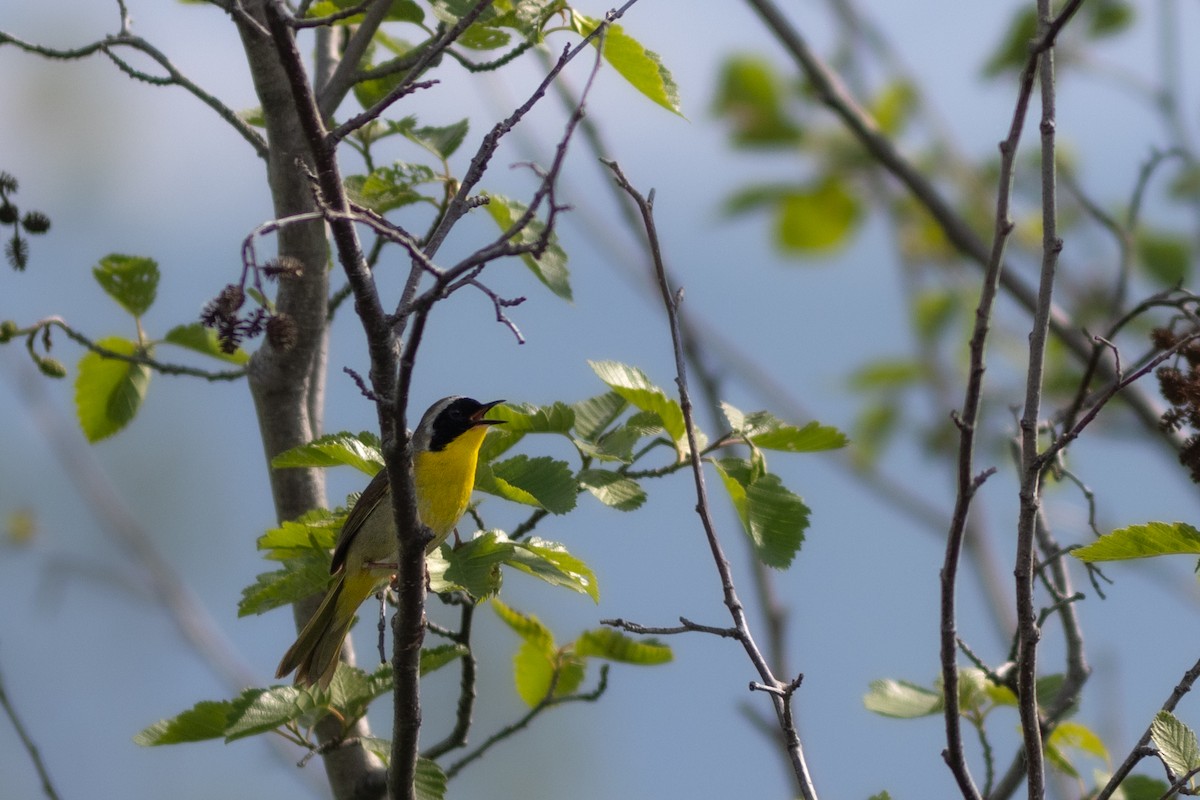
445, 449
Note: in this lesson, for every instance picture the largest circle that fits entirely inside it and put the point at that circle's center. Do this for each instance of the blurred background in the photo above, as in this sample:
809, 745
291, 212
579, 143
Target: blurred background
89, 659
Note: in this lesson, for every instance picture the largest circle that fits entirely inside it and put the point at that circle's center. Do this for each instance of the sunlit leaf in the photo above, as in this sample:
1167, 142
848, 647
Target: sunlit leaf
773, 517
750, 96
1142, 541
130, 280
297, 579
612, 645
550, 266
1176, 743
817, 219
613, 489
633, 385
901, 699
202, 339
358, 450
641, 67
109, 391
543, 482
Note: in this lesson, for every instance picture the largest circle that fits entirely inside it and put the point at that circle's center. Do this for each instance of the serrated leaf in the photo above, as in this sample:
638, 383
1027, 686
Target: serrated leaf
202, 339
434, 658
641, 67
612, 645
527, 626
1142, 541
358, 450
429, 782
473, 567
902, 700
441, 140
109, 392
315, 530
205, 720
1176, 743
521, 419
261, 710
297, 579
388, 188
767, 431
773, 517
594, 415
551, 266
550, 562
613, 489
818, 219
543, 482
130, 280
632, 384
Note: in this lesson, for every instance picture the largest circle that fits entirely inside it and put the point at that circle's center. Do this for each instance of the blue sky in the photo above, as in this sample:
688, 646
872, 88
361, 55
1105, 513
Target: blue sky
122, 167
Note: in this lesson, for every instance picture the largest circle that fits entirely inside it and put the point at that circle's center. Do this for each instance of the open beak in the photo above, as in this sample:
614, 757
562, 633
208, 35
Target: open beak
478, 416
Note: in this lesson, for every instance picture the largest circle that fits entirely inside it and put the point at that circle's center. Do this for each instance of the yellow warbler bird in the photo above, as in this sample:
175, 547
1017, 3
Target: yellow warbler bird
445, 451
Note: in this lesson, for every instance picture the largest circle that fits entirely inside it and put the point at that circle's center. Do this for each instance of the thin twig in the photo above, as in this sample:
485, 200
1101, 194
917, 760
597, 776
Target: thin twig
27, 742
671, 300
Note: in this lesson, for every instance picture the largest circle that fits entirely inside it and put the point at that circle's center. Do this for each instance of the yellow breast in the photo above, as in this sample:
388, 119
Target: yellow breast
444, 480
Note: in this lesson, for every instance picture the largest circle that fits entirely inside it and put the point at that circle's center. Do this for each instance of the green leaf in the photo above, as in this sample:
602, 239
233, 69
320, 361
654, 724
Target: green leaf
613, 489
818, 219
887, 374
205, 720
533, 671
1166, 257
440, 140
893, 106
633, 385
750, 96
315, 530
521, 419
392, 187
641, 67
763, 429
527, 626
884, 795
1176, 743
108, 392
1143, 787
1071, 735
550, 266
358, 450
473, 566
932, 312
902, 700
434, 658
612, 645
202, 339
1142, 541
594, 415
550, 562
773, 517
130, 280
1108, 17
543, 482
297, 579
261, 710
430, 781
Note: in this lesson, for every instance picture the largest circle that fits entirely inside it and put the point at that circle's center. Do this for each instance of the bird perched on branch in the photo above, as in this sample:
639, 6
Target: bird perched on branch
445, 451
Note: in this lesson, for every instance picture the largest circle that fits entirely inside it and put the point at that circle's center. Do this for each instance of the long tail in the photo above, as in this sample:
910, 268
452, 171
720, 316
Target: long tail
315, 653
